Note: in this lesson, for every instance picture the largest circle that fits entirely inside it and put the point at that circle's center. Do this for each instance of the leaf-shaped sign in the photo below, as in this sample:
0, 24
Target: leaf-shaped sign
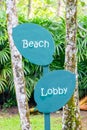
34, 42
54, 90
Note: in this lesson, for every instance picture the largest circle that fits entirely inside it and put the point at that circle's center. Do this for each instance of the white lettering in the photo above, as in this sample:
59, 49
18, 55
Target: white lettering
46, 44
35, 44
41, 44
30, 44
60, 90
53, 91
49, 91
42, 92
25, 43
65, 90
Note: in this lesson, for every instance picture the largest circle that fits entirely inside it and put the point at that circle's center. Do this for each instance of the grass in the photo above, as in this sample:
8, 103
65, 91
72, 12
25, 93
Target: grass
9, 123
37, 122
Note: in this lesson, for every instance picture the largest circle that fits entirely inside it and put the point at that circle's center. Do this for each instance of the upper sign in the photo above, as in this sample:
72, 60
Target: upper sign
34, 42
54, 90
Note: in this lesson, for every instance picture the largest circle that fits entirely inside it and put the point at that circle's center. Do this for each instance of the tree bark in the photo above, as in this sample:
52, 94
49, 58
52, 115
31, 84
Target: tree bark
71, 112
18, 74
59, 8
29, 8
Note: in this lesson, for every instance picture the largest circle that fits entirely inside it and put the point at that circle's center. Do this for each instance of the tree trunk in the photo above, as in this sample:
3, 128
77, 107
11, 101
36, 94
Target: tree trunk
71, 112
59, 8
16, 58
29, 8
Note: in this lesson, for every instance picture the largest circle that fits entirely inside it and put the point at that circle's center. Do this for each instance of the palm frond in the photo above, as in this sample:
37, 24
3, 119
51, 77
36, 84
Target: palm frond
4, 55
3, 84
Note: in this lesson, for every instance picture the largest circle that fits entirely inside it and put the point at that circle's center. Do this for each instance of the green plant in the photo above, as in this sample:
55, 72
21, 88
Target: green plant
5, 69
33, 72
9, 103
82, 55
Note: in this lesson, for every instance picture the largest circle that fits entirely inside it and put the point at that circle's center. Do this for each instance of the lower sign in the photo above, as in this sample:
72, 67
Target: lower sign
54, 90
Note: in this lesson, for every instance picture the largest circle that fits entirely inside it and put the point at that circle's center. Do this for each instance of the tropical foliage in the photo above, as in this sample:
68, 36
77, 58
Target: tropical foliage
82, 55
32, 72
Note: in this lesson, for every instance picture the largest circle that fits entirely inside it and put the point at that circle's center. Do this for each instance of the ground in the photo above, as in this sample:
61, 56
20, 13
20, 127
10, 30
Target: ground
83, 118
13, 111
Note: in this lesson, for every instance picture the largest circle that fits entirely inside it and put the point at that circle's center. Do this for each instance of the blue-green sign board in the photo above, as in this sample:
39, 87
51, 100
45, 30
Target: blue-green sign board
34, 42
54, 90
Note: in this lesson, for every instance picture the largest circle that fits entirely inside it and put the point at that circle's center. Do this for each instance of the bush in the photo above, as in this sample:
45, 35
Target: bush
33, 72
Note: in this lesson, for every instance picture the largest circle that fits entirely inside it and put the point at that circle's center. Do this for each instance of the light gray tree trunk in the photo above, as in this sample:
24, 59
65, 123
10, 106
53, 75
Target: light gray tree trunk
71, 112
59, 8
16, 58
29, 8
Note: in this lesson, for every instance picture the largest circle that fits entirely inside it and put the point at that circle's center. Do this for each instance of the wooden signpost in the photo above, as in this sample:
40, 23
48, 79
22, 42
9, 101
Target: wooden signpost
55, 88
